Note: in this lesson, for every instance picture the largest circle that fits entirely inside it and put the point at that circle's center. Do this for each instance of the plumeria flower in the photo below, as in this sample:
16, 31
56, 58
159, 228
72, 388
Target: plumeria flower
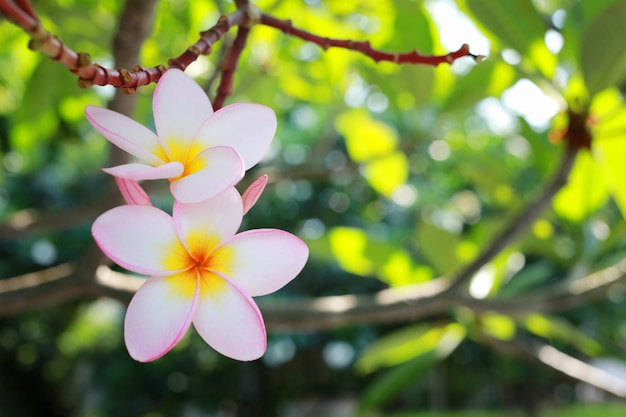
201, 152
201, 272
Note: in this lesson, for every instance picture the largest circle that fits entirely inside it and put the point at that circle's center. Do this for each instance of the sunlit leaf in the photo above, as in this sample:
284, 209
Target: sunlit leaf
348, 245
609, 143
560, 330
498, 325
585, 192
386, 173
365, 137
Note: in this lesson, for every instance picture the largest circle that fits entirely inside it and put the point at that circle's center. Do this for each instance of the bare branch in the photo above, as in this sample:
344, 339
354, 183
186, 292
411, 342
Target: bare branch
574, 368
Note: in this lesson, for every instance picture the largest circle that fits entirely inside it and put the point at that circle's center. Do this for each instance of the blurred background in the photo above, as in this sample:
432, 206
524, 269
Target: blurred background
395, 175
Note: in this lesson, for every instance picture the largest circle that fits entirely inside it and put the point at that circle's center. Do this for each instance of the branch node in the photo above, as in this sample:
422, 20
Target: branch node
253, 14
125, 74
83, 59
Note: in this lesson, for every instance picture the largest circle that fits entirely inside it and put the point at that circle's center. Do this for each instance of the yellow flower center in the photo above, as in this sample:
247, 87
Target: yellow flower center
179, 151
199, 265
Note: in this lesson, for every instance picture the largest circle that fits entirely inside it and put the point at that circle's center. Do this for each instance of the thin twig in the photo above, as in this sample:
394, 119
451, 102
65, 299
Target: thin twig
412, 57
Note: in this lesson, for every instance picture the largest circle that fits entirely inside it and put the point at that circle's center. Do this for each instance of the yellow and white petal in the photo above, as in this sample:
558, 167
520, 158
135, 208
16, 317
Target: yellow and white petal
157, 318
204, 226
262, 261
231, 323
140, 238
248, 128
214, 170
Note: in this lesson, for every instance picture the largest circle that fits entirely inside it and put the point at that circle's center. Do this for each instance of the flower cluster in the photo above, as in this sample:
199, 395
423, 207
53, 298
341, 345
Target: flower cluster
200, 269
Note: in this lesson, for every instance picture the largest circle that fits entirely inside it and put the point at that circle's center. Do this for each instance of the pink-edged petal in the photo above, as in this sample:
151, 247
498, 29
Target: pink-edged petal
132, 192
222, 169
253, 192
146, 172
265, 260
157, 318
208, 223
139, 238
249, 128
125, 133
231, 323
180, 106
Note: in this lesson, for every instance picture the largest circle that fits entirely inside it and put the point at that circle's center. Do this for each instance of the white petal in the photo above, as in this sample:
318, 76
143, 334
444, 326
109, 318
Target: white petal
265, 260
140, 238
231, 323
146, 172
125, 133
207, 224
222, 169
180, 106
249, 128
157, 318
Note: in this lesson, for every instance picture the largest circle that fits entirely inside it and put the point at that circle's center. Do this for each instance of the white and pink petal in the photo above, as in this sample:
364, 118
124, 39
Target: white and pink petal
146, 172
246, 127
125, 133
157, 318
180, 106
140, 238
265, 260
231, 323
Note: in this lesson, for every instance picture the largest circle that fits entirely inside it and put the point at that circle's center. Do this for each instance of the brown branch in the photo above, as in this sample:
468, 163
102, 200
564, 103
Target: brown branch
89, 73
521, 223
225, 88
413, 57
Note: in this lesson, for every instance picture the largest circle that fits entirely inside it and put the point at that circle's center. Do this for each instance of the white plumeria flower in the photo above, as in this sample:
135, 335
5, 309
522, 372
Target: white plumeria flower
201, 152
201, 272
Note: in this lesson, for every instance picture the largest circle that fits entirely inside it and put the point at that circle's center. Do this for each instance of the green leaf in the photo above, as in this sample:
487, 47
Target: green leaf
438, 246
516, 23
603, 55
409, 343
441, 343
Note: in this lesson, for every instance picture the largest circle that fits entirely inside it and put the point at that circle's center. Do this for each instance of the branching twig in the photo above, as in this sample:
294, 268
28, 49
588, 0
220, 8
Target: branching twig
520, 224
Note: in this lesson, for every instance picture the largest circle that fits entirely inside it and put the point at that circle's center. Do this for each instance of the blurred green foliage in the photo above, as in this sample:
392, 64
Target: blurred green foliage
394, 175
